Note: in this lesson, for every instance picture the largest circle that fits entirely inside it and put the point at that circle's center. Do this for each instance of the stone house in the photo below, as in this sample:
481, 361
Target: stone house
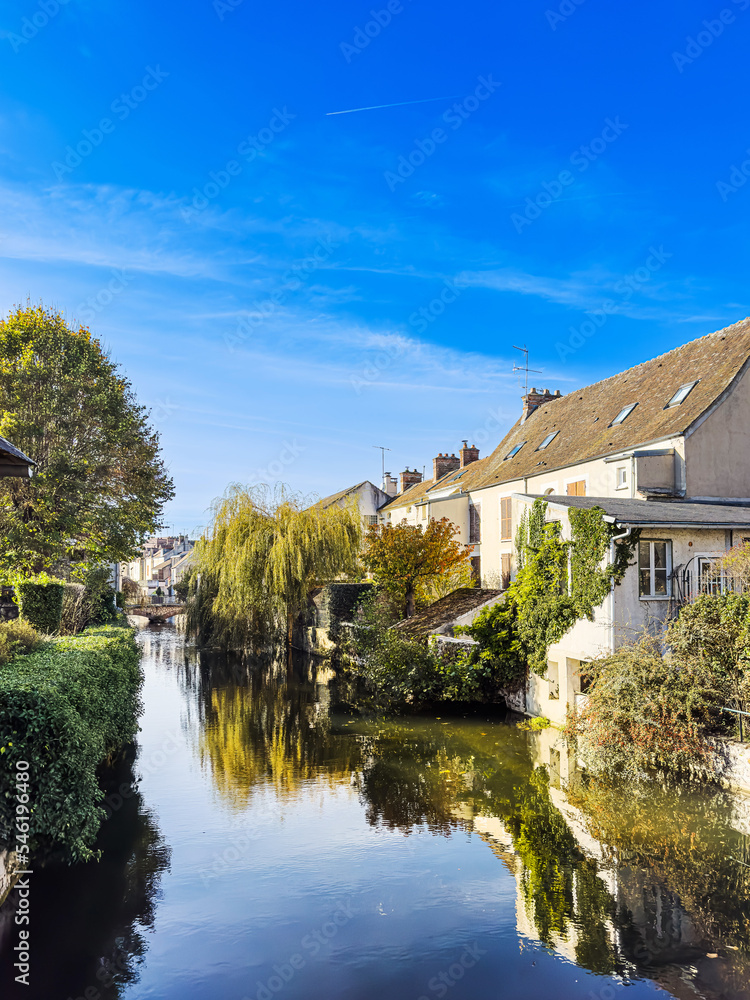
662, 447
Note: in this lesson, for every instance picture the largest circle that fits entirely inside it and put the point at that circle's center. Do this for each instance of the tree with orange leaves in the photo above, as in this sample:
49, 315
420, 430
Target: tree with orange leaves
404, 557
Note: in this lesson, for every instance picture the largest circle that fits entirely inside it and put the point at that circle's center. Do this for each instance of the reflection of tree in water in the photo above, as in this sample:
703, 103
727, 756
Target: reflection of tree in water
409, 781
683, 886
261, 727
90, 921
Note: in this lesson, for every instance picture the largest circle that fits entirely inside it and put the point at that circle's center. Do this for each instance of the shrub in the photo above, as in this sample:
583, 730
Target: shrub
16, 638
534, 725
64, 709
40, 602
646, 711
499, 654
75, 611
100, 597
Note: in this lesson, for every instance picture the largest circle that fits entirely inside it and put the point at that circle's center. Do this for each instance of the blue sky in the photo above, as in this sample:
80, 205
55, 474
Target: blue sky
284, 298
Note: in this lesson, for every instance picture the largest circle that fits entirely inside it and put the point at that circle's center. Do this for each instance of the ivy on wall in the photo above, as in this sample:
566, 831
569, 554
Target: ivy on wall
558, 581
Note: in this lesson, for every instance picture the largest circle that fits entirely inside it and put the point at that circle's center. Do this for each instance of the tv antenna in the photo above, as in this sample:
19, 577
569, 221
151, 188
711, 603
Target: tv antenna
525, 368
382, 451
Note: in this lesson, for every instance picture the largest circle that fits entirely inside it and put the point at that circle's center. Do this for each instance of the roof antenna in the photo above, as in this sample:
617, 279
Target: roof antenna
382, 452
525, 368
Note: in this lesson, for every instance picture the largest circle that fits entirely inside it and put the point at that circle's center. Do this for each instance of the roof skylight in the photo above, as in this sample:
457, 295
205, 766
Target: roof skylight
682, 393
548, 440
514, 451
623, 414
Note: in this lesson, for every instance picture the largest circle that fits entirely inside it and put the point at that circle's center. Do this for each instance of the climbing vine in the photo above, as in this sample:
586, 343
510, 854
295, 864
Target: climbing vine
558, 582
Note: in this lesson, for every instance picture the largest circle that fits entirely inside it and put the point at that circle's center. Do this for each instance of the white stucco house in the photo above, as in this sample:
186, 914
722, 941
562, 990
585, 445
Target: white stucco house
663, 447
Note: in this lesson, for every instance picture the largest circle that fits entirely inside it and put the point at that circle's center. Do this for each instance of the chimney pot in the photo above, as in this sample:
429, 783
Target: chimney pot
443, 464
468, 455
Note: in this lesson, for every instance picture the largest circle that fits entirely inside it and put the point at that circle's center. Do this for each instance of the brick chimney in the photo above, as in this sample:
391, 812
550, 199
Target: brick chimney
534, 399
444, 463
390, 486
409, 478
468, 455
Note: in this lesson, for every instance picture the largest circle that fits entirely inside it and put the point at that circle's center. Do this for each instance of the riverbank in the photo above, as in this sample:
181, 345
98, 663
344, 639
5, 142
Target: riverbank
64, 710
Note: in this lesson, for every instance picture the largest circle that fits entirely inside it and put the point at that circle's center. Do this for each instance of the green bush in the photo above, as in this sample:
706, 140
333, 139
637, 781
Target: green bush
64, 709
99, 597
40, 601
16, 638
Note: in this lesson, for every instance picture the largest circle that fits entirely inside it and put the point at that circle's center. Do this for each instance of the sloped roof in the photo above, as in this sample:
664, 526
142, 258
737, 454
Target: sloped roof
583, 417
342, 494
658, 513
446, 610
13, 462
410, 496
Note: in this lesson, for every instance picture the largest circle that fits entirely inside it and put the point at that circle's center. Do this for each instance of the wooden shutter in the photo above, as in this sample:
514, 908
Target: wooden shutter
475, 522
506, 519
505, 570
577, 489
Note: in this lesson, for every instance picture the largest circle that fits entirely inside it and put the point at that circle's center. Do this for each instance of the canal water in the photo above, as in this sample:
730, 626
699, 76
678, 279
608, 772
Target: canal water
267, 838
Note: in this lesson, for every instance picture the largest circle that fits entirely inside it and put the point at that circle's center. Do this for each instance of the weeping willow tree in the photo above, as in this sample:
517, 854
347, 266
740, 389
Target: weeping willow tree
263, 553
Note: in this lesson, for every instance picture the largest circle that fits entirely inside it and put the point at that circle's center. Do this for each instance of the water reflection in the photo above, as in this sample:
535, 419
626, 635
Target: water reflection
623, 882
90, 922
631, 885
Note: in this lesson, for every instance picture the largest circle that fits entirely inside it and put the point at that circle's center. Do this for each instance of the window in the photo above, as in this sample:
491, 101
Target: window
506, 518
371, 519
505, 570
711, 579
654, 565
577, 489
514, 451
475, 522
623, 414
553, 676
682, 393
548, 440
622, 477
425, 508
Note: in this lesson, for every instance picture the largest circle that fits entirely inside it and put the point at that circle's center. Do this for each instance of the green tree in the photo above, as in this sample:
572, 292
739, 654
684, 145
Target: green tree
263, 554
99, 485
404, 557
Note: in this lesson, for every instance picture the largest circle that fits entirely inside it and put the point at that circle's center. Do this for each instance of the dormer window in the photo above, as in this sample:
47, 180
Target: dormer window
514, 451
623, 414
548, 440
682, 394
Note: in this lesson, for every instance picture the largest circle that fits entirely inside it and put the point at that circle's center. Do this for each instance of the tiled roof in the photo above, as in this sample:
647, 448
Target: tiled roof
445, 611
655, 513
410, 496
584, 416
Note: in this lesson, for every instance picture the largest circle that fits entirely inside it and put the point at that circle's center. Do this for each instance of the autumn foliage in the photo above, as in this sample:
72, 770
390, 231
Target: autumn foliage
405, 557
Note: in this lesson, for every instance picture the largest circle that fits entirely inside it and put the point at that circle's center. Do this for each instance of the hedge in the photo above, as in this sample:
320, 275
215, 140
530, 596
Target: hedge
41, 603
64, 709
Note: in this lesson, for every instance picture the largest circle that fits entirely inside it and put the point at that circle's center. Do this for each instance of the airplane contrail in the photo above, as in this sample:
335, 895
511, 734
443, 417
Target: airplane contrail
400, 104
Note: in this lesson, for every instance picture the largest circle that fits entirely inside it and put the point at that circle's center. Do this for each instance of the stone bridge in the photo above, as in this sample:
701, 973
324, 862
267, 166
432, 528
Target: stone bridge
155, 612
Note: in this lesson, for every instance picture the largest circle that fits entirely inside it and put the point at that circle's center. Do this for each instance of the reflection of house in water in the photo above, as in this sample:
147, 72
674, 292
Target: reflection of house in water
615, 908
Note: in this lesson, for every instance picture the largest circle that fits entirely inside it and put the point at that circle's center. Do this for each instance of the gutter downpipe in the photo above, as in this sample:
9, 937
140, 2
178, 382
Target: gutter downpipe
613, 539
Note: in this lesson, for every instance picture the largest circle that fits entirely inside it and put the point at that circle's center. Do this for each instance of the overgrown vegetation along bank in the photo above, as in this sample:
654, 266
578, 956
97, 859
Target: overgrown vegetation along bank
558, 582
64, 709
651, 708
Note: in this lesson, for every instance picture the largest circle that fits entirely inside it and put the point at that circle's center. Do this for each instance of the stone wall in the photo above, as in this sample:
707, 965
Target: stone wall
318, 629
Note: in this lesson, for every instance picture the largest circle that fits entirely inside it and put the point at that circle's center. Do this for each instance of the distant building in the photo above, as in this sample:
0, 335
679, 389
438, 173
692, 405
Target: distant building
163, 563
